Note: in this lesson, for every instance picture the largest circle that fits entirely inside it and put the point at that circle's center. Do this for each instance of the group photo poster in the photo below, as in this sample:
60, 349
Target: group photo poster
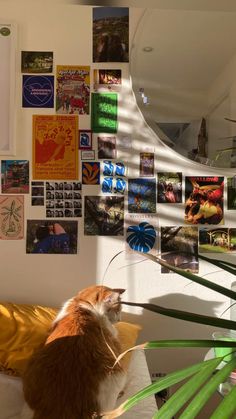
104, 113
63, 199
51, 237
55, 147
204, 200
35, 62
179, 248
110, 34
72, 89
169, 187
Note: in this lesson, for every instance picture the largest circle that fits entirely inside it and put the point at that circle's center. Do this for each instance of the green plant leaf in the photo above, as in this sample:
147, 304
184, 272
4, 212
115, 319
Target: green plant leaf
207, 390
161, 384
229, 267
183, 394
227, 406
185, 315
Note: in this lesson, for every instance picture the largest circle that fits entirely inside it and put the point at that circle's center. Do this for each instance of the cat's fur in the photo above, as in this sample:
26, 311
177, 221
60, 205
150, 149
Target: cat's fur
71, 377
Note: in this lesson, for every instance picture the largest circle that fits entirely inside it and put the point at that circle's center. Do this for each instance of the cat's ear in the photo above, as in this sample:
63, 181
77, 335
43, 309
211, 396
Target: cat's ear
119, 290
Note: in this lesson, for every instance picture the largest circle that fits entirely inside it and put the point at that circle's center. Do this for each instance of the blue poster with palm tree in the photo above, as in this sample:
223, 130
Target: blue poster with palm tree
141, 237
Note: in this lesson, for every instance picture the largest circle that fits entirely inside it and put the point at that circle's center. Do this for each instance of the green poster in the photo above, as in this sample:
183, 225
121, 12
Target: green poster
104, 112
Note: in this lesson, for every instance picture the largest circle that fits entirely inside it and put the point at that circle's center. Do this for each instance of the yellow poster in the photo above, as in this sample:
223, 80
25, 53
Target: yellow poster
55, 147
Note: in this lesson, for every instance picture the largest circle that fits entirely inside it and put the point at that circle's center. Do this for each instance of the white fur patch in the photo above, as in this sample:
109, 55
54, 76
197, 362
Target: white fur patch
109, 391
64, 311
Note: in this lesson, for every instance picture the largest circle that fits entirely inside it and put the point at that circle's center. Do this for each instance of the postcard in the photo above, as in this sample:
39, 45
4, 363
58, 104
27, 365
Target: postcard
104, 216
141, 234
11, 217
15, 176
72, 89
38, 92
142, 195
104, 112
217, 240
52, 237
169, 187
55, 145
204, 198
146, 167
106, 147
110, 34
85, 139
107, 77
91, 173
36, 62
179, 248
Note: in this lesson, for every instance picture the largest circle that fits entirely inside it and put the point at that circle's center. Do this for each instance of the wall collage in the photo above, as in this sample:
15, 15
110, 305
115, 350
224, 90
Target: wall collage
61, 152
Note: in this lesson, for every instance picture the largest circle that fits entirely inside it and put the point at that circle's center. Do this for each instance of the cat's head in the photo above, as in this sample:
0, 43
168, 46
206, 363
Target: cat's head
104, 300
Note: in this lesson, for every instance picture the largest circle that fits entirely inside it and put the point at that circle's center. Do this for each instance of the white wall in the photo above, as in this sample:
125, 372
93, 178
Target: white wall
47, 279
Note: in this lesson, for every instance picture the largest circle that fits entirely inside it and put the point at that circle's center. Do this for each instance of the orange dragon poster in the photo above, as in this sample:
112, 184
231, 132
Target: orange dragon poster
55, 147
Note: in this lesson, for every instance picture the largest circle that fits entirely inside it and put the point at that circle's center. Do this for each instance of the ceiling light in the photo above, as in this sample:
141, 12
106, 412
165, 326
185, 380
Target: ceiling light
147, 49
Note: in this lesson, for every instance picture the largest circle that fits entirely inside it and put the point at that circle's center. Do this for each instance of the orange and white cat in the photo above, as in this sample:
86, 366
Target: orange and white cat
72, 375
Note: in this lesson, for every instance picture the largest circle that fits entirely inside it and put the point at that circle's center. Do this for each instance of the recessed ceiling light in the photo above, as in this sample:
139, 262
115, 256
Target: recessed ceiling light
147, 49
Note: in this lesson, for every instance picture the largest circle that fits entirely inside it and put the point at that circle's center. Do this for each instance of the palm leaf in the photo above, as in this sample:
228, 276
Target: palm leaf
227, 266
227, 406
162, 383
183, 394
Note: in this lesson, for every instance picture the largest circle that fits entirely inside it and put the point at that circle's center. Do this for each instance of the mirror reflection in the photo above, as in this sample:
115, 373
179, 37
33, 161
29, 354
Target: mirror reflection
183, 68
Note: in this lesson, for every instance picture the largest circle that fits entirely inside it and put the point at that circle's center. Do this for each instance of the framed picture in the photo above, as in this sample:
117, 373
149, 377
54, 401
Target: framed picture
106, 147
87, 155
85, 139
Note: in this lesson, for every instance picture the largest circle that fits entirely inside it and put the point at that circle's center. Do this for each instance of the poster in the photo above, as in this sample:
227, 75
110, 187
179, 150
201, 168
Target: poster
91, 173
217, 240
38, 92
36, 61
146, 167
169, 187
106, 147
104, 112
141, 234
85, 139
72, 89
179, 248
110, 34
204, 200
51, 237
11, 217
142, 195
107, 79
231, 193
63, 199
15, 176
55, 147
104, 216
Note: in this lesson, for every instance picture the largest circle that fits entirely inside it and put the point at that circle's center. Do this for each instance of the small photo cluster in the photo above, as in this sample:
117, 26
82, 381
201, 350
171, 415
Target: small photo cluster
113, 177
63, 199
37, 193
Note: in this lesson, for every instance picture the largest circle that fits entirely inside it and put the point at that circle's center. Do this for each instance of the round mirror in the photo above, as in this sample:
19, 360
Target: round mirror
183, 68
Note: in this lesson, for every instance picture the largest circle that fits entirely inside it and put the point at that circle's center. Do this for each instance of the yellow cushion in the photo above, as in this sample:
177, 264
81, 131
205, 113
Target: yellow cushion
23, 328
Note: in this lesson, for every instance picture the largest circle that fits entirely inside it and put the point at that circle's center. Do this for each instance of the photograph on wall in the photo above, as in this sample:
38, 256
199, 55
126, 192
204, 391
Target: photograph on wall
51, 237
217, 240
204, 198
91, 173
15, 176
113, 185
110, 34
106, 147
104, 112
231, 193
55, 147
87, 154
36, 62
146, 166
37, 193
11, 217
104, 216
179, 248
169, 187
72, 89
142, 195
63, 199
141, 234
38, 92
85, 139
107, 78
113, 168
